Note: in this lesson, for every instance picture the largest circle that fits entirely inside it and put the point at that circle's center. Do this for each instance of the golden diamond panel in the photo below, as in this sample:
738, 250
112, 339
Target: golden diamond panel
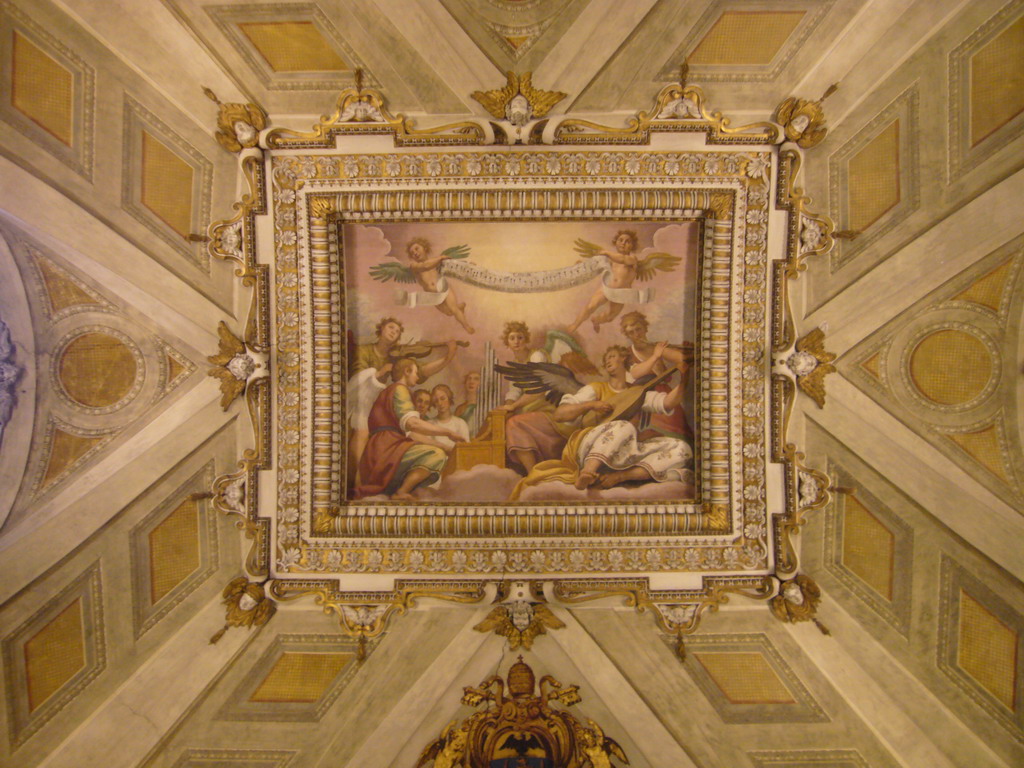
293, 46
874, 178
745, 37
300, 677
42, 89
97, 370
174, 549
997, 82
745, 678
987, 650
166, 184
868, 547
950, 367
54, 655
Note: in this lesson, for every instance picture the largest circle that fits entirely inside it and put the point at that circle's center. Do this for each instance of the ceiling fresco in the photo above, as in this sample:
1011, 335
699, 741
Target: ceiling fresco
511, 382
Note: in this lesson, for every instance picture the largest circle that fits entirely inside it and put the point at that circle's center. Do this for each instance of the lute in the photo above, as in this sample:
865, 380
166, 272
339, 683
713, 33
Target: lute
627, 403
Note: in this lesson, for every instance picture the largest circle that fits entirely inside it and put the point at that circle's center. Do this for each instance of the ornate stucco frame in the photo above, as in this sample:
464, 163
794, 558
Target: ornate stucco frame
731, 541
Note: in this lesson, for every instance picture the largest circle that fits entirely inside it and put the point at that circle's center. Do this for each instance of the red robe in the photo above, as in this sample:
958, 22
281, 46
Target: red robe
385, 448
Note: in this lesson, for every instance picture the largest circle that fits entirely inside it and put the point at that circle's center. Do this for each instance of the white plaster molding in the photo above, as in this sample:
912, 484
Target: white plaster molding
602, 26
930, 260
112, 261
421, 714
62, 523
133, 29
922, 472
462, 66
887, 697
644, 728
149, 703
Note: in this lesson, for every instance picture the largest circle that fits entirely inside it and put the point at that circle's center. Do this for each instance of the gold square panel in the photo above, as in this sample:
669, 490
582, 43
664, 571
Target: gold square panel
166, 184
997, 82
300, 677
745, 678
868, 547
874, 178
54, 654
746, 37
174, 552
987, 650
42, 88
293, 46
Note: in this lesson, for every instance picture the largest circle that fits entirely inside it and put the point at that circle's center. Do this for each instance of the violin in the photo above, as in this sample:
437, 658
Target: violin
418, 349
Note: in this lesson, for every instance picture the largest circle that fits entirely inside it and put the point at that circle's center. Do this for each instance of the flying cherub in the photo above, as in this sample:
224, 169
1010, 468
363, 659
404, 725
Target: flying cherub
426, 271
623, 269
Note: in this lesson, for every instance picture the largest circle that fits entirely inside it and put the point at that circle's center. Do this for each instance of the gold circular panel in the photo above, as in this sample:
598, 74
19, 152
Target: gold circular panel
951, 367
97, 370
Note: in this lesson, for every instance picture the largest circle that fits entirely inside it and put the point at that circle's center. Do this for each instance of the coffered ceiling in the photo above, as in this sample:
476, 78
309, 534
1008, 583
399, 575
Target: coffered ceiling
114, 558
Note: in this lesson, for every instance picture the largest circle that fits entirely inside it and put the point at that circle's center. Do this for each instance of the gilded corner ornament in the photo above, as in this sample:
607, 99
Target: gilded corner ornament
520, 620
797, 600
247, 605
518, 106
803, 120
238, 125
810, 363
235, 365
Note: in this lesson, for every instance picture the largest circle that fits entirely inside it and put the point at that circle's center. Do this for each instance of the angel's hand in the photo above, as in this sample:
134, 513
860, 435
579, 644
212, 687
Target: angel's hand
602, 407
507, 407
659, 349
456, 437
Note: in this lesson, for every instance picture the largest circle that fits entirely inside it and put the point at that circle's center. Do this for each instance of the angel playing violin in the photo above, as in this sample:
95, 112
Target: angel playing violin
425, 270
624, 267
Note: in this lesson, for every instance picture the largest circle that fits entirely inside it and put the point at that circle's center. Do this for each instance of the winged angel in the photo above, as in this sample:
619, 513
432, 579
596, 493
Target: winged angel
607, 451
624, 268
426, 271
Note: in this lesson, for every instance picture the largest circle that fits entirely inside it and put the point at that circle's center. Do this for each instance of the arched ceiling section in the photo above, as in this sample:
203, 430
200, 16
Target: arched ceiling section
114, 559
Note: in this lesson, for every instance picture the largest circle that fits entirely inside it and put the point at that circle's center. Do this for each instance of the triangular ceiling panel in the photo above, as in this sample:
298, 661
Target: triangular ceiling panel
104, 369
939, 369
516, 36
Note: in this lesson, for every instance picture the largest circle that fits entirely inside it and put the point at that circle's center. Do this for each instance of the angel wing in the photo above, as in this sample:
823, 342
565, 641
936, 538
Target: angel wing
541, 101
564, 348
552, 380
586, 249
610, 746
495, 101
228, 345
649, 267
543, 620
813, 384
230, 387
814, 342
496, 620
456, 252
392, 270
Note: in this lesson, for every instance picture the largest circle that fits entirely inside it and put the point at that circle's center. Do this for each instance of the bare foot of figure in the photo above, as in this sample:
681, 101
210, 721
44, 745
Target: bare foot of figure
585, 480
634, 474
402, 497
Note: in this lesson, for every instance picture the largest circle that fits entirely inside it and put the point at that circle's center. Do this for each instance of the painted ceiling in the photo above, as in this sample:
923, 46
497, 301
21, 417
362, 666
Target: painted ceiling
115, 557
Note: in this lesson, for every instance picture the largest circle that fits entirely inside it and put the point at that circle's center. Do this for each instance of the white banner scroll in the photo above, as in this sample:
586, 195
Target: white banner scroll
404, 298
